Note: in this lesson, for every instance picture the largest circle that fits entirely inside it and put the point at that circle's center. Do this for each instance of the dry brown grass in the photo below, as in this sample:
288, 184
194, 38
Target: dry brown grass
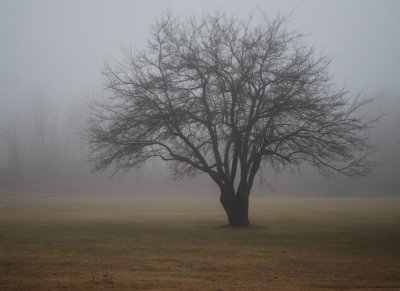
121, 242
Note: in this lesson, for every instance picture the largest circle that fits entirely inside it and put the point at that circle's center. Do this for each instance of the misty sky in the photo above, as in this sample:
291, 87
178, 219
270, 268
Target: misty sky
58, 48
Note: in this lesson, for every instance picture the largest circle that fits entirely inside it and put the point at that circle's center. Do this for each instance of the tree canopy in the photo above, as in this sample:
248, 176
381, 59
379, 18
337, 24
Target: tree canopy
220, 95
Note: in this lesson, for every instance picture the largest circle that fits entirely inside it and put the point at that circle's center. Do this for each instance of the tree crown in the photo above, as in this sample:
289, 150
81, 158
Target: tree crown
220, 95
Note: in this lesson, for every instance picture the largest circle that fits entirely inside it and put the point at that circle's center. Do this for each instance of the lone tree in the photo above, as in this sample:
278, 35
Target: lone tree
222, 96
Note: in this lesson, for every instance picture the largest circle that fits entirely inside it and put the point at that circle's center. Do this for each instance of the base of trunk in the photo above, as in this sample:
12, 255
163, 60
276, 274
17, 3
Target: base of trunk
235, 226
239, 222
237, 210
238, 225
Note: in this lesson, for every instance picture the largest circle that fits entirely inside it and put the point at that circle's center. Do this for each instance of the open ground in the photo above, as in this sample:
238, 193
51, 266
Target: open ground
126, 242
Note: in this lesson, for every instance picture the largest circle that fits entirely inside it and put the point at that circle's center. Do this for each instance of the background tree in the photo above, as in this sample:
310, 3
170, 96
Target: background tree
10, 138
220, 95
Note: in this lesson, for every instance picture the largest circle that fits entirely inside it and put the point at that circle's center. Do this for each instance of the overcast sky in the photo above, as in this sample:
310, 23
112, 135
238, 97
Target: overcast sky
58, 48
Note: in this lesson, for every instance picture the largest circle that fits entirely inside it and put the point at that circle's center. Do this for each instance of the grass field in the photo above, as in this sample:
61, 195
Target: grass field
121, 242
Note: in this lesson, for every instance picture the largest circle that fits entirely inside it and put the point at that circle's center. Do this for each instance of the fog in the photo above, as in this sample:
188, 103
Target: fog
52, 54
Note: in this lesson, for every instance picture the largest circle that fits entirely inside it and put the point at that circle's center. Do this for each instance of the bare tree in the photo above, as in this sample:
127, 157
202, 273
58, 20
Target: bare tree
220, 95
9, 136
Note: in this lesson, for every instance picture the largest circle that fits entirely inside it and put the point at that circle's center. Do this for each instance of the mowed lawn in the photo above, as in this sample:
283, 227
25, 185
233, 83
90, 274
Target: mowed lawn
125, 242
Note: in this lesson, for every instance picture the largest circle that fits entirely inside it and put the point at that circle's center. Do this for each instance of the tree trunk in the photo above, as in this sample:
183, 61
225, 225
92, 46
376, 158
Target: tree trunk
236, 208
